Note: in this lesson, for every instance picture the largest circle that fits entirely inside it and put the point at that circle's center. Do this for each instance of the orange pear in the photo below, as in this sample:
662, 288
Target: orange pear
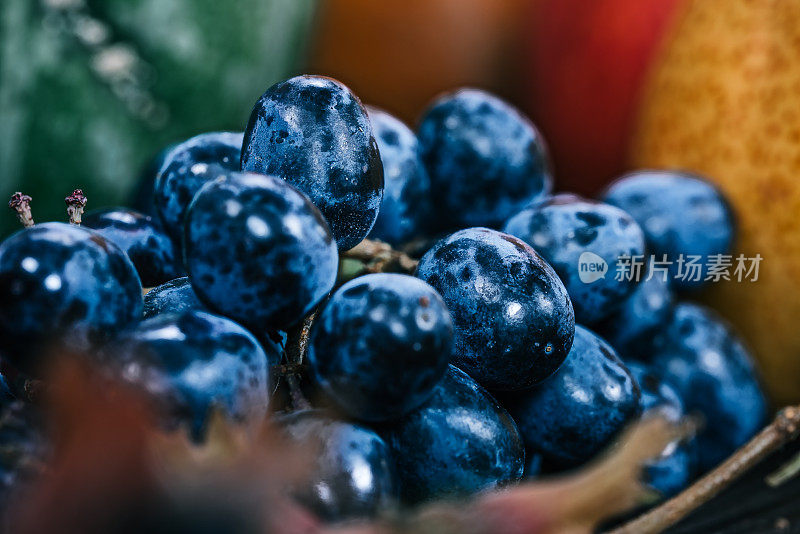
724, 100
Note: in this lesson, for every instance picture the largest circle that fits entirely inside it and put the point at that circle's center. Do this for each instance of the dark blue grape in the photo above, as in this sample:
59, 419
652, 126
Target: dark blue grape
258, 251
485, 160
314, 132
512, 316
142, 239
175, 296
583, 241
406, 206
714, 374
62, 283
631, 327
681, 214
673, 470
458, 443
381, 345
352, 475
578, 411
193, 362
188, 167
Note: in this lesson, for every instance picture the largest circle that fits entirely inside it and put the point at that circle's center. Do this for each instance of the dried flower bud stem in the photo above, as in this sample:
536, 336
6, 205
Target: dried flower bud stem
76, 202
21, 203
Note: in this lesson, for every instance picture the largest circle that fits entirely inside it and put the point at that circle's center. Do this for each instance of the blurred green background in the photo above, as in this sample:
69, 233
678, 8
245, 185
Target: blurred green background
90, 90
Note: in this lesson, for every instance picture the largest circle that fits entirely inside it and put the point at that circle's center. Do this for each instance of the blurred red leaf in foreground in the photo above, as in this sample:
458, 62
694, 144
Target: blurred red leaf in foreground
114, 470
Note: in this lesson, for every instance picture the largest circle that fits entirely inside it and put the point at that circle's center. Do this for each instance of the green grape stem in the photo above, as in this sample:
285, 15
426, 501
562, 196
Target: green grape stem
296, 348
378, 257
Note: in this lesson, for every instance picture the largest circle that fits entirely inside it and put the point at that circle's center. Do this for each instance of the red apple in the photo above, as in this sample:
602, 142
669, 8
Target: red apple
588, 61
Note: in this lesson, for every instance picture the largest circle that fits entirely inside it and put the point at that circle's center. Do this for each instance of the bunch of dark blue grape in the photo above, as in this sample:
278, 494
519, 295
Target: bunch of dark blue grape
486, 339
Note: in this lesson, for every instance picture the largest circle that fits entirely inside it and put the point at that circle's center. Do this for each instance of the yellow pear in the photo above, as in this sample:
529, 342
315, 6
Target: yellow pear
723, 99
